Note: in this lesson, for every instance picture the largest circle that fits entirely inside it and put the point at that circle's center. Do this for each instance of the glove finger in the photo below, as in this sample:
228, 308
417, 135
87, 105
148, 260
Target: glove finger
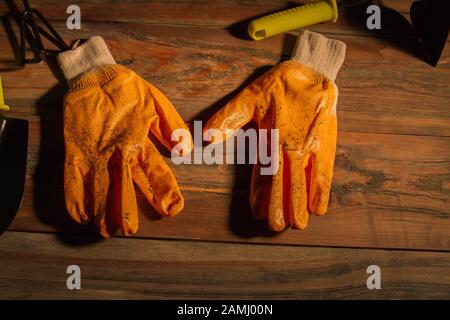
123, 211
97, 186
323, 155
277, 216
167, 120
154, 177
235, 114
259, 193
297, 202
74, 192
320, 185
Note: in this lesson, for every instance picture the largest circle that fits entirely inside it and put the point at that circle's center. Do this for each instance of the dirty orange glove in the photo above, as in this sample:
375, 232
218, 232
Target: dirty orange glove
108, 114
298, 97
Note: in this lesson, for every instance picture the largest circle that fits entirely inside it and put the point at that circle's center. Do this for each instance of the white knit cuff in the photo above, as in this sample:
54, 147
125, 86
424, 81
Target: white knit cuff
324, 55
93, 53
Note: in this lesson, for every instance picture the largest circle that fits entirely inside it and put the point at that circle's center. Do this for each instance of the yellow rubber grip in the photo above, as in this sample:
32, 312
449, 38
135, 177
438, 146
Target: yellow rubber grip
292, 19
3, 106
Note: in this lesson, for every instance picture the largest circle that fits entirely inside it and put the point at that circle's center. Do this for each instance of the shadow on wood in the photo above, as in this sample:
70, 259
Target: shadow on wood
396, 30
242, 222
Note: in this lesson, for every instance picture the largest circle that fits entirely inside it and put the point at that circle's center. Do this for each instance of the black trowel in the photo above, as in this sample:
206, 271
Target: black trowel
13, 162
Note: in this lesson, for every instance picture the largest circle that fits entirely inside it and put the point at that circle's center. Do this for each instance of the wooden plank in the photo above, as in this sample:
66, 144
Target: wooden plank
393, 190
33, 266
382, 88
233, 15
209, 13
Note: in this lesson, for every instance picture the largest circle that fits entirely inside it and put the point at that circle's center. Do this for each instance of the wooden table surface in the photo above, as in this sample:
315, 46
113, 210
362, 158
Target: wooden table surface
390, 199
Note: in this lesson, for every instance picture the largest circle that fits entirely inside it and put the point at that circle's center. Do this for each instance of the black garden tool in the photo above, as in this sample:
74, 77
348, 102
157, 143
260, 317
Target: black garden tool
431, 20
31, 32
13, 162
14, 132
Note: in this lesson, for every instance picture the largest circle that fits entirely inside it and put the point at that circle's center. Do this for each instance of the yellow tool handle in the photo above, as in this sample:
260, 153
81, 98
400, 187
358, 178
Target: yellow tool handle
3, 106
292, 19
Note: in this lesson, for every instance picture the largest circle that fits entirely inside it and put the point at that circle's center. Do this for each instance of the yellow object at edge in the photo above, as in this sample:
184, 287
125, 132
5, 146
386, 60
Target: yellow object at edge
3, 106
292, 19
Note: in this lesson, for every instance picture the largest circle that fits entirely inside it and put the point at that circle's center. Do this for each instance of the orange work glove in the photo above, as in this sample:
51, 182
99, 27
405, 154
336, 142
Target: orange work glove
108, 113
298, 97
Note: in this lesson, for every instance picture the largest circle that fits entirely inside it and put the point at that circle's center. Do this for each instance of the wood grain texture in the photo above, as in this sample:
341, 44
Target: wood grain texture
391, 188
389, 191
143, 269
209, 13
232, 15
382, 88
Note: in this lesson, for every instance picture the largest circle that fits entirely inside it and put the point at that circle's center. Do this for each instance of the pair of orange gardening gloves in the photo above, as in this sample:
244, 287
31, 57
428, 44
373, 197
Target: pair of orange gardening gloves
110, 110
